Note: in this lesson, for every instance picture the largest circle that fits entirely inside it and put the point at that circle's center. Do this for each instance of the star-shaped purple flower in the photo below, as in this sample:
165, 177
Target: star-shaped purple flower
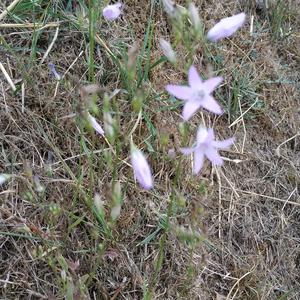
197, 94
206, 146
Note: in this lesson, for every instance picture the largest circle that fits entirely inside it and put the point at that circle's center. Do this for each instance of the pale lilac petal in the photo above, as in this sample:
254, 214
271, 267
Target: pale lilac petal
194, 78
198, 161
223, 144
212, 105
112, 12
187, 151
141, 169
201, 135
226, 27
96, 125
210, 136
210, 84
190, 107
180, 92
54, 71
213, 155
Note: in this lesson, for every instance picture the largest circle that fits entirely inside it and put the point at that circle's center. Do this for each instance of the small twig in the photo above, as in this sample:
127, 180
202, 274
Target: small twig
38, 26
265, 196
63, 76
9, 9
242, 115
251, 25
50, 46
238, 281
136, 123
3, 93
230, 184
23, 97
7, 77
277, 151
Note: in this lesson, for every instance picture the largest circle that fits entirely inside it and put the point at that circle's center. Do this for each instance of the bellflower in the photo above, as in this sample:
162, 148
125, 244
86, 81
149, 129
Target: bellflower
95, 124
112, 12
197, 94
206, 146
226, 27
141, 168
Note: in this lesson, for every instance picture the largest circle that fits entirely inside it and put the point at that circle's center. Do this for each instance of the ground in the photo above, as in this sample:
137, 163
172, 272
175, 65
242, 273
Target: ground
229, 233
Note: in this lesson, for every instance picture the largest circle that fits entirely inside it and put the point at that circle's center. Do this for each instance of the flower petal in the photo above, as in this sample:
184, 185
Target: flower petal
226, 27
223, 144
198, 161
190, 107
211, 84
194, 78
213, 155
210, 136
187, 151
96, 125
201, 135
179, 91
212, 105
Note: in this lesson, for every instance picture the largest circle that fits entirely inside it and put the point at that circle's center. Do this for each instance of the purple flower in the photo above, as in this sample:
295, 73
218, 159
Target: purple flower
112, 12
141, 168
95, 124
206, 146
197, 94
53, 71
226, 27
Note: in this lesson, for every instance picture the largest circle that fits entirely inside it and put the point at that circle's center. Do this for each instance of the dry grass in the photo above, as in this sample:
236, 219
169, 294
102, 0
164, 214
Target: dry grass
247, 214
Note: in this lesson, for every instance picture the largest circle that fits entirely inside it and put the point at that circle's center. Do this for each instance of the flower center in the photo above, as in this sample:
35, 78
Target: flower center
199, 94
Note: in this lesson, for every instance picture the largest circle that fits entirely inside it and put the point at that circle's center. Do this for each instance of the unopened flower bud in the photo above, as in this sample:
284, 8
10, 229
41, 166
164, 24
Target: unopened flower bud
194, 16
98, 203
39, 188
141, 168
167, 50
115, 211
169, 7
137, 101
117, 194
109, 126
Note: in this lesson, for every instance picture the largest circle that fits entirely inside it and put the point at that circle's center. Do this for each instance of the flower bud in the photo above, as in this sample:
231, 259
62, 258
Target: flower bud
39, 188
141, 168
109, 126
194, 16
169, 7
167, 50
137, 101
